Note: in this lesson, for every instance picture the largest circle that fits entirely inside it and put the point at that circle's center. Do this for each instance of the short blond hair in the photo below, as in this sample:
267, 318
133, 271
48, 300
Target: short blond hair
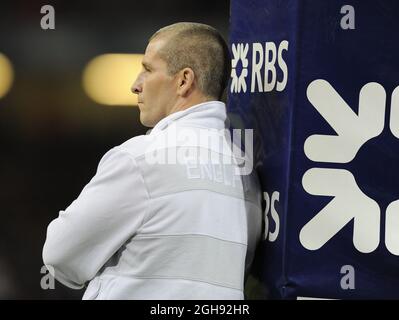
201, 48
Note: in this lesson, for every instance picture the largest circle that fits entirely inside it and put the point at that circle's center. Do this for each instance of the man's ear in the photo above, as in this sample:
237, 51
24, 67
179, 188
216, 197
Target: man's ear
185, 82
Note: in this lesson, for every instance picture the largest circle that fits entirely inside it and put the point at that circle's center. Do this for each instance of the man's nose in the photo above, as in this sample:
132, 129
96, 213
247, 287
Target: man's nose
137, 86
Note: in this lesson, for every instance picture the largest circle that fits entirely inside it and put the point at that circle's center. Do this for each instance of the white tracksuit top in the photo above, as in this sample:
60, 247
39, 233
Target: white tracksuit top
143, 228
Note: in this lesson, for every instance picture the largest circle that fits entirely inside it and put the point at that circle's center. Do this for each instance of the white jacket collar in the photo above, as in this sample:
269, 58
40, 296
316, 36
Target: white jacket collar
211, 114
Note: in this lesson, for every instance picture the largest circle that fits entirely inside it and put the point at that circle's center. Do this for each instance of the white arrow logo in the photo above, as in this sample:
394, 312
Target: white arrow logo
238, 83
352, 130
349, 203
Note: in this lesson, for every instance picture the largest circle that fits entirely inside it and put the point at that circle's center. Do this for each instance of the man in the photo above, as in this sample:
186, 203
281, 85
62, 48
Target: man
166, 216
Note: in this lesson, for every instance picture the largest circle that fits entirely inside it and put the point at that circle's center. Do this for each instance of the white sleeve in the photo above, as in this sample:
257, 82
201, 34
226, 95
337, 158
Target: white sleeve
107, 213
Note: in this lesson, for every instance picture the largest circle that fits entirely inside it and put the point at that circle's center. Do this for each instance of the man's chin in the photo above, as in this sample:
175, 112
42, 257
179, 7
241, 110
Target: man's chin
146, 122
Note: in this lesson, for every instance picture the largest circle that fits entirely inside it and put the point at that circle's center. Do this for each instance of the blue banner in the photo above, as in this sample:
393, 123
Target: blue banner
318, 81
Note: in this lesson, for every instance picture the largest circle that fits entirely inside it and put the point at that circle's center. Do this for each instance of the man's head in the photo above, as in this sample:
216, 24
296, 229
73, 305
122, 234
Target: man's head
184, 64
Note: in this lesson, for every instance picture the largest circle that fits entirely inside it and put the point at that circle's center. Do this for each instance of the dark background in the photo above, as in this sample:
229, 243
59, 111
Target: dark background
52, 135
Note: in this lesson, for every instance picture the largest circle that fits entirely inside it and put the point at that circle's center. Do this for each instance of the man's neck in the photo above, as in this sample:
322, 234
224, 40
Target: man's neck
183, 104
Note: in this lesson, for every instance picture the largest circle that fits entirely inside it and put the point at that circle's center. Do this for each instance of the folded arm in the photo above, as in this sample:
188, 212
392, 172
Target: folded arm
107, 213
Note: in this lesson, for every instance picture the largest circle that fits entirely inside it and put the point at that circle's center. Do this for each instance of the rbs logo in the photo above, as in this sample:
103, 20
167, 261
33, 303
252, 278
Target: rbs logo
269, 70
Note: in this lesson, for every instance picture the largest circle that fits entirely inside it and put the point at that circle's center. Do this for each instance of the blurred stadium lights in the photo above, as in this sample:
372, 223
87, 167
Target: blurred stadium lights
107, 78
6, 75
